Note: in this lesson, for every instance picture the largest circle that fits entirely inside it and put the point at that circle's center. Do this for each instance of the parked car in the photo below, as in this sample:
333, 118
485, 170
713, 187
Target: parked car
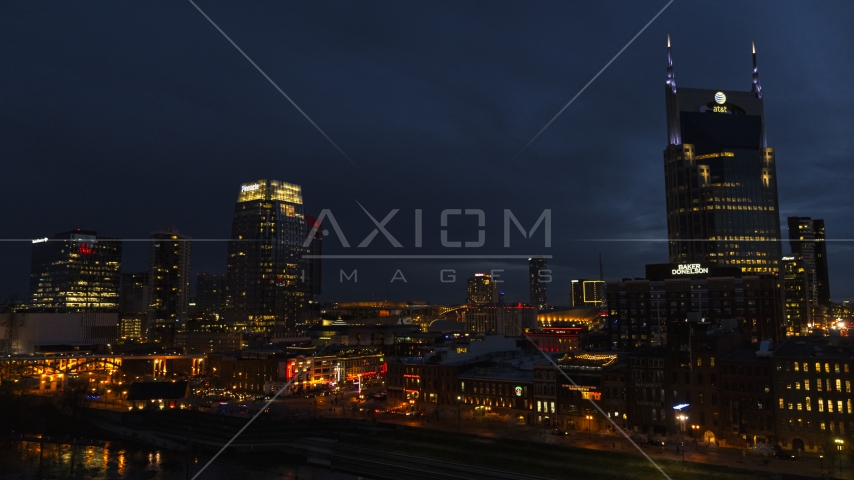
310, 395
784, 455
558, 431
654, 442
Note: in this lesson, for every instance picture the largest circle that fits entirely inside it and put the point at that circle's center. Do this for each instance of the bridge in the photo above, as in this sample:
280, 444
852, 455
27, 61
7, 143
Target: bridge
52, 370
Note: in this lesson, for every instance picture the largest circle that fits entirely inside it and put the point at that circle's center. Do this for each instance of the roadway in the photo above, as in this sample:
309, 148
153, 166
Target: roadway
725, 457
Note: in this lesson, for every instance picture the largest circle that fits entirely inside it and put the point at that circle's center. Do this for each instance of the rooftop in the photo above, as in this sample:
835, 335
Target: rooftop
743, 355
813, 347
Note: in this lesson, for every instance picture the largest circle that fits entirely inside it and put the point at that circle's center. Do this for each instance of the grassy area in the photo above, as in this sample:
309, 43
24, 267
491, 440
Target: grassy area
544, 460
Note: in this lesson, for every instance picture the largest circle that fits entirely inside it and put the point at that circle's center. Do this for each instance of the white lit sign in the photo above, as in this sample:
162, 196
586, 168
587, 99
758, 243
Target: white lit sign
40, 240
690, 269
785, 259
720, 98
249, 188
680, 406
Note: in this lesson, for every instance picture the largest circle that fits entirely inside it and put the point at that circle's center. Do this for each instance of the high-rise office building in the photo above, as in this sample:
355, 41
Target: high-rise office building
807, 240
797, 291
266, 287
720, 178
168, 284
822, 275
75, 271
538, 272
482, 289
314, 270
133, 314
314, 266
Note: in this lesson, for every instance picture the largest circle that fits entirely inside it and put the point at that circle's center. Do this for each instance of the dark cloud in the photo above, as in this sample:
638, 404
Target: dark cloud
124, 119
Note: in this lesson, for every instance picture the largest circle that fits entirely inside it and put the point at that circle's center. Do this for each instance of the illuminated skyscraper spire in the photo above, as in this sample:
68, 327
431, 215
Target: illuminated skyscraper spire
671, 78
757, 88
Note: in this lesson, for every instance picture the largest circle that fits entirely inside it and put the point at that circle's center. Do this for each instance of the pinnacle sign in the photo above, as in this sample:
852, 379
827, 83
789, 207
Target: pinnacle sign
690, 269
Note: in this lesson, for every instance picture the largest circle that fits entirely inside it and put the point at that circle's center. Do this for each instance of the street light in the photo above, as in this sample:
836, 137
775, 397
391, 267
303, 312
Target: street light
588, 417
839, 443
459, 414
682, 419
695, 430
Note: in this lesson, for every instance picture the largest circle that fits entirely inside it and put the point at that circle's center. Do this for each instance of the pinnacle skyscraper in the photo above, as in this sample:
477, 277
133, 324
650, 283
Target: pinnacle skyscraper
720, 178
267, 289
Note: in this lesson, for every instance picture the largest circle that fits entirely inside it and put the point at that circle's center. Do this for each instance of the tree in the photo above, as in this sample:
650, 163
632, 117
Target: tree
76, 396
829, 450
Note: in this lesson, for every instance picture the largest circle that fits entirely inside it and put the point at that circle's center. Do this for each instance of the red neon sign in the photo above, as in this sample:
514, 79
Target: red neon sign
85, 249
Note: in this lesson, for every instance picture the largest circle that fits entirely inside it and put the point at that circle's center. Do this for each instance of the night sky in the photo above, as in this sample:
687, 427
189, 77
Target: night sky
126, 117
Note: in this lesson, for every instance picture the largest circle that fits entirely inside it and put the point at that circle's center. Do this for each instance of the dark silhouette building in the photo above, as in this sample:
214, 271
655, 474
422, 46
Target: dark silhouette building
210, 296
133, 320
807, 240
168, 284
538, 273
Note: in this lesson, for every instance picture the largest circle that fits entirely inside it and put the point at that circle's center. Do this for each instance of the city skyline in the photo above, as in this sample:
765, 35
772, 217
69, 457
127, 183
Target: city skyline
417, 226
801, 127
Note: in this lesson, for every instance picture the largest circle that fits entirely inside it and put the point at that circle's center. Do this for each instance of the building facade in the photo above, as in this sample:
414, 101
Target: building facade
807, 241
133, 314
75, 271
797, 305
168, 284
747, 399
538, 278
210, 296
812, 382
587, 293
482, 290
58, 332
644, 312
266, 287
720, 178
500, 319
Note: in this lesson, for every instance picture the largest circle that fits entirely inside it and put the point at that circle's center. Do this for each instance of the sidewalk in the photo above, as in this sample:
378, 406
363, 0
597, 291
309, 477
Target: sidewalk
808, 466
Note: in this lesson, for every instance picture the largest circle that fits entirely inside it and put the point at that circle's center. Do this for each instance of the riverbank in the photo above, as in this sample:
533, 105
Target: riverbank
380, 449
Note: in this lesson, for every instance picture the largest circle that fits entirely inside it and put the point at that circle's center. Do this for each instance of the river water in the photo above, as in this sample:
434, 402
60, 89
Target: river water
122, 461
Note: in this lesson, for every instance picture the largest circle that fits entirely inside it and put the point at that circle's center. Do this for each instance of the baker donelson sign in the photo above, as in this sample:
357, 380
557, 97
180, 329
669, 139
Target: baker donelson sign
690, 269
